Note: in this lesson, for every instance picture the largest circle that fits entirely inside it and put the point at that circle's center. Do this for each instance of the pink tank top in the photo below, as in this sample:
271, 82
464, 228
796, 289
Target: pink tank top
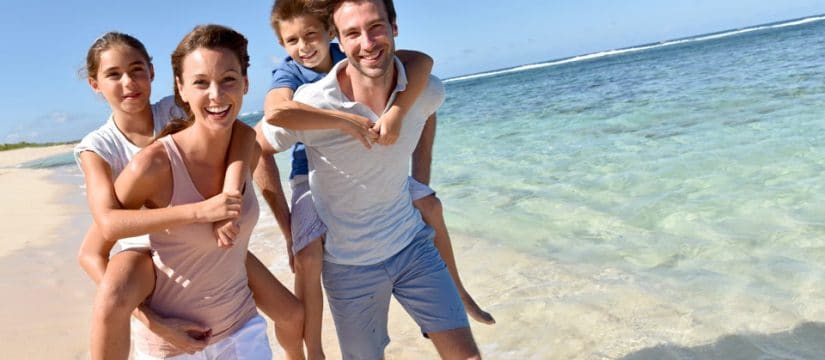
195, 279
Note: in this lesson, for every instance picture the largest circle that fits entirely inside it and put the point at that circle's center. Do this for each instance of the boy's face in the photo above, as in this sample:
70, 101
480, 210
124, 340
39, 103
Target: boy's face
306, 40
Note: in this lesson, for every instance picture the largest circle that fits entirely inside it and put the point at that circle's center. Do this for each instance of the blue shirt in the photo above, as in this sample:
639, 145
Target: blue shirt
290, 74
361, 195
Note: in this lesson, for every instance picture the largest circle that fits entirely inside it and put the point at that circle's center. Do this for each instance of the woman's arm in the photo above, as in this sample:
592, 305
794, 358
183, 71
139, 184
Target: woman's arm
418, 67
280, 110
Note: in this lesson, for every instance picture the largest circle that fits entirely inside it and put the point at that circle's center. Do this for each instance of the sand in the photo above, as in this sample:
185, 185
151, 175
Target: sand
545, 309
46, 297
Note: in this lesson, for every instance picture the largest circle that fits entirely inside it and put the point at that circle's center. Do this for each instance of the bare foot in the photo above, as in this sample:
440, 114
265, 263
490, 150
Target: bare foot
475, 311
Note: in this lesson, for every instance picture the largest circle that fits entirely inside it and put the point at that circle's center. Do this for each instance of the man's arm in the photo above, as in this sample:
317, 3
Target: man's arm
422, 156
268, 179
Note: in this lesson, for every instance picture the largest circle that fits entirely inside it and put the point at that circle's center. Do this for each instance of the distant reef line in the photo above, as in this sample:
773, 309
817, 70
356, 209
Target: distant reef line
25, 144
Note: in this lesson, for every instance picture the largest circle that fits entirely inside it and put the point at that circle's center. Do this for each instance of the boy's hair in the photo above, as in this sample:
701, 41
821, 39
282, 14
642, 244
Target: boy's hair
329, 7
283, 10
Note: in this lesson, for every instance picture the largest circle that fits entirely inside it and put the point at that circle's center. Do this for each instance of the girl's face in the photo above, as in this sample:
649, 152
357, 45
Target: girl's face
213, 85
124, 78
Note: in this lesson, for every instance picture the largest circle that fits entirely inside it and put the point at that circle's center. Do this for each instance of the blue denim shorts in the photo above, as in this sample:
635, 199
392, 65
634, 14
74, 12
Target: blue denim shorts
359, 297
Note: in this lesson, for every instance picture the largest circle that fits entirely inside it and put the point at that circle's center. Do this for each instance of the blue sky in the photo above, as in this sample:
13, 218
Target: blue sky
44, 42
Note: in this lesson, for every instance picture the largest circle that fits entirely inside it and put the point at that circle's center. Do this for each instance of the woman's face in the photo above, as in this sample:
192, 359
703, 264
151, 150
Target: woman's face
124, 78
213, 85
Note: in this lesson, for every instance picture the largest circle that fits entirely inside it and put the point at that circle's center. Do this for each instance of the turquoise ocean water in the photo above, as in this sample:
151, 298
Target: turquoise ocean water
698, 160
674, 189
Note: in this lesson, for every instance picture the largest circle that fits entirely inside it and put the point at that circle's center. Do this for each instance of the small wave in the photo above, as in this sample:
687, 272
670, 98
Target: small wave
53, 161
644, 47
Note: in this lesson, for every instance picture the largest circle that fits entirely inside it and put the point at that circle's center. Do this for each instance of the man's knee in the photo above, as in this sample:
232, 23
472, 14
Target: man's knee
429, 206
455, 344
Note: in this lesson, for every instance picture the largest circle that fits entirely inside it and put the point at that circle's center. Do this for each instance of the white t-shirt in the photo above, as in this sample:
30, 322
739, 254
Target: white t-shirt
114, 147
111, 144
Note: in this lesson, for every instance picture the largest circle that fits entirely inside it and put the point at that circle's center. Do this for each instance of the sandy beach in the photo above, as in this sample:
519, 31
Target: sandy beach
545, 309
48, 298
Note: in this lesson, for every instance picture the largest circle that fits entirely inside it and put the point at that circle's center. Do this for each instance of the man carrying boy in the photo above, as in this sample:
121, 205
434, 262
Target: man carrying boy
376, 242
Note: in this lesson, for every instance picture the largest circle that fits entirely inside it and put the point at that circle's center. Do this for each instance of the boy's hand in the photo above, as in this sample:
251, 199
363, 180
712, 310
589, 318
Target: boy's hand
186, 336
219, 207
225, 231
388, 130
360, 128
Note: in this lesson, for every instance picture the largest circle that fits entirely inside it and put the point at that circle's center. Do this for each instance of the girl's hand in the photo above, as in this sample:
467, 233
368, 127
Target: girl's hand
219, 207
226, 231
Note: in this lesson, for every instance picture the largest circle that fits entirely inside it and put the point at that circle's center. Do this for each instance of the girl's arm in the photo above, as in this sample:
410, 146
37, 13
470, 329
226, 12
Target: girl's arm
241, 149
418, 67
280, 110
114, 223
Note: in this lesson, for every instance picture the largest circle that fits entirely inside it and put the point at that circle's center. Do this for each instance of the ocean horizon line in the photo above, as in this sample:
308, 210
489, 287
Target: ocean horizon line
636, 48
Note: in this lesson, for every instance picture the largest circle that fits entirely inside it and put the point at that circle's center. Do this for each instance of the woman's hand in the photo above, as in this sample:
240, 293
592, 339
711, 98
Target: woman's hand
187, 336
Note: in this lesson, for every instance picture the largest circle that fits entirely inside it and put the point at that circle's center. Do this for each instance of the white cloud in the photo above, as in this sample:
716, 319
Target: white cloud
59, 117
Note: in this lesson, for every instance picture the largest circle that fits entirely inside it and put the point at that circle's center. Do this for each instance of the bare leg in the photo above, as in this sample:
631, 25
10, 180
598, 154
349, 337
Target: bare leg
431, 211
455, 344
308, 263
129, 279
280, 305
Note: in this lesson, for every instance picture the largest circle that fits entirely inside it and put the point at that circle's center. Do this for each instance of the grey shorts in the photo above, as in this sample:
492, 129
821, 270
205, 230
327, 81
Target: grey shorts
307, 225
359, 297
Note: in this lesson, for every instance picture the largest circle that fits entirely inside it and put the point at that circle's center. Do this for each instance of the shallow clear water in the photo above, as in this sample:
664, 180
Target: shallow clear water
707, 156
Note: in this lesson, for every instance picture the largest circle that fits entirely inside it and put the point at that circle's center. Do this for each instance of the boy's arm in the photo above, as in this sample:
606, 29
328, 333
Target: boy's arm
418, 67
241, 148
422, 156
280, 110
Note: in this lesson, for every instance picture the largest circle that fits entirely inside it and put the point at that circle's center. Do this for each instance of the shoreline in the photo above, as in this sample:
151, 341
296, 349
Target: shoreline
47, 297
544, 308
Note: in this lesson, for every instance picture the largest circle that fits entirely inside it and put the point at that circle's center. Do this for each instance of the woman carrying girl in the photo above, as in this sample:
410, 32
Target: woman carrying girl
120, 69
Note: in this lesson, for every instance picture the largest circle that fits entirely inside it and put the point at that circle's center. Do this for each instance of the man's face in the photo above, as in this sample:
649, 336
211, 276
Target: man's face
366, 36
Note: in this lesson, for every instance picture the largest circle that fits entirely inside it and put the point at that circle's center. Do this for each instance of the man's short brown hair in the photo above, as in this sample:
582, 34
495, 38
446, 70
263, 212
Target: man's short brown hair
329, 7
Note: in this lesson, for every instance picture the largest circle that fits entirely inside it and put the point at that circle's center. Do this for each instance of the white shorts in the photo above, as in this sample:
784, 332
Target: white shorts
249, 342
138, 243
307, 225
